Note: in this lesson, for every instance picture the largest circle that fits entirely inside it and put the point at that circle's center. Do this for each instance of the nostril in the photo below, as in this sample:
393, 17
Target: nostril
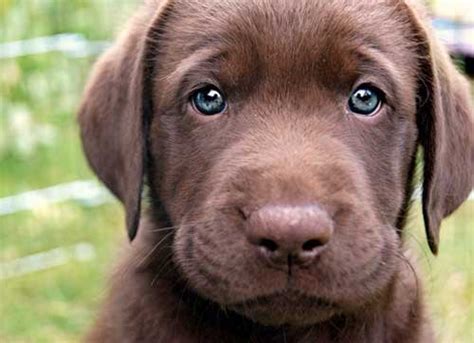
312, 244
268, 244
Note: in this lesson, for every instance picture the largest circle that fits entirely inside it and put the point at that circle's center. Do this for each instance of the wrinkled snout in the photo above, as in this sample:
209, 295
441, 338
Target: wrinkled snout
289, 234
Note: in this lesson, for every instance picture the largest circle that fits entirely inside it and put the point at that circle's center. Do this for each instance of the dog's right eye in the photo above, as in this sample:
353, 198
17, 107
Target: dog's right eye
209, 101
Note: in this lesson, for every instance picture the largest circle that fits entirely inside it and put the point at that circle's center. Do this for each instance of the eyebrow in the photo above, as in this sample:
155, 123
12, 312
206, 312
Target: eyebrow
199, 61
384, 68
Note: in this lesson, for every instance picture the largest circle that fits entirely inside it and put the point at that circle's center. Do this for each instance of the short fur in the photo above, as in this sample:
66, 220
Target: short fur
287, 69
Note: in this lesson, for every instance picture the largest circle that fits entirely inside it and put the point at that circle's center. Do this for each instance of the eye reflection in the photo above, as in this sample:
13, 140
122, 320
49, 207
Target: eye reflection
209, 101
366, 100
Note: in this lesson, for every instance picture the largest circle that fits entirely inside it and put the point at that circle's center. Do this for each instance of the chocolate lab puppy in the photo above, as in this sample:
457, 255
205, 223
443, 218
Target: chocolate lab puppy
277, 141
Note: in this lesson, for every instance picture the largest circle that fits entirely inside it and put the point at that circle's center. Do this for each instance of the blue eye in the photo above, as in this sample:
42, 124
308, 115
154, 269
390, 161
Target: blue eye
209, 101
366, 100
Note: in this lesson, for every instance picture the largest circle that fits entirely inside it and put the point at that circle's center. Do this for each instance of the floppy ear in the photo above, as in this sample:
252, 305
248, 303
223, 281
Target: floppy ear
116, 110
445, 124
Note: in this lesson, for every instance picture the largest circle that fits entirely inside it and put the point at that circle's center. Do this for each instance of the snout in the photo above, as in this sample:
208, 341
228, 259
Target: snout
282, 238
285, 235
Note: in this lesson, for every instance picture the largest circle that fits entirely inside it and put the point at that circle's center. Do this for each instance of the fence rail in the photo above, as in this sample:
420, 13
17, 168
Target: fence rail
72, 44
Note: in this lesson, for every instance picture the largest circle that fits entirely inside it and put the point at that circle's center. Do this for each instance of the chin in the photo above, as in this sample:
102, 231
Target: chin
288, 308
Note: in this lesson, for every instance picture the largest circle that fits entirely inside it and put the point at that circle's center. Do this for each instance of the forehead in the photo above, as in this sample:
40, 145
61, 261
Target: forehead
299, 39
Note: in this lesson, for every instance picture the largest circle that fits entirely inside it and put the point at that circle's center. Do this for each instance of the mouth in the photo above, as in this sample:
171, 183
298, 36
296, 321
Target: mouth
288, 307
290, 296
293, 294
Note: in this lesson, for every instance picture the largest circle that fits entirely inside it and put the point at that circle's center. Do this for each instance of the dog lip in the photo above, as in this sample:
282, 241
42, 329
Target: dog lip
286, 295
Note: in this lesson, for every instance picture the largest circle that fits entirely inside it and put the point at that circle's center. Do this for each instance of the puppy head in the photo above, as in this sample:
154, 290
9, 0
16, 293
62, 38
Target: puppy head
280, 138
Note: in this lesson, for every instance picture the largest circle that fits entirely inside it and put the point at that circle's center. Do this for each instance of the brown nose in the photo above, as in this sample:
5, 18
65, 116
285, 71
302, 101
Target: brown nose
289, 234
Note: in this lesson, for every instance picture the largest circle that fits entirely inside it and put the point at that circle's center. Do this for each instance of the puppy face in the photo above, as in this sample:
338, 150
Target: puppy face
280, 139
285, 136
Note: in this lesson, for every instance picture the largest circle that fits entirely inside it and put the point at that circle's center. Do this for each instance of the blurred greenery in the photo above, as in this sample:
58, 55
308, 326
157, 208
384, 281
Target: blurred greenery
39, 147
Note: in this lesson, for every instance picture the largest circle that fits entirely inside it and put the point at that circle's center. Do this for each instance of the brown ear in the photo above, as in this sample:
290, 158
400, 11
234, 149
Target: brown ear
116, 110
445, 124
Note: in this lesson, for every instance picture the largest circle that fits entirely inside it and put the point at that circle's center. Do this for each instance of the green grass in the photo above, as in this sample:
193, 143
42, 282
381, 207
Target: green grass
449, 278
39, 147
57, 304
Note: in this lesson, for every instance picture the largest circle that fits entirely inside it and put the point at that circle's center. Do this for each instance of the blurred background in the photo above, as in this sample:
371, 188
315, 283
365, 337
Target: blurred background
60, 229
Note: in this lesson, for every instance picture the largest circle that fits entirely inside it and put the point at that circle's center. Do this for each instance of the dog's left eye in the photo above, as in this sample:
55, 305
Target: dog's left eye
209, 101
366, 100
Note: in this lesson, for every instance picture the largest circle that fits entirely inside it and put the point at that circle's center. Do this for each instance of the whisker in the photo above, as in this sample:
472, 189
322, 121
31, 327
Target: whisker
175, 227
404, 259
155, 247
168, 261
424, 254
164, 229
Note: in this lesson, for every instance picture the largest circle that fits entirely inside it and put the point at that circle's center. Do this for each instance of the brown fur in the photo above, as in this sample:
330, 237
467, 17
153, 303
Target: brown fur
287, 69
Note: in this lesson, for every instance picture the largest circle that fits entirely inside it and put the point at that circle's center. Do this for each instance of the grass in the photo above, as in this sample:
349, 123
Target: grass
39, 147
448, 278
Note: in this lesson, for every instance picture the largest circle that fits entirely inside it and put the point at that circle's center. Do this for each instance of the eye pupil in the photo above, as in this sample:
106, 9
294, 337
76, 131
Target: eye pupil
366, 100
209, 101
